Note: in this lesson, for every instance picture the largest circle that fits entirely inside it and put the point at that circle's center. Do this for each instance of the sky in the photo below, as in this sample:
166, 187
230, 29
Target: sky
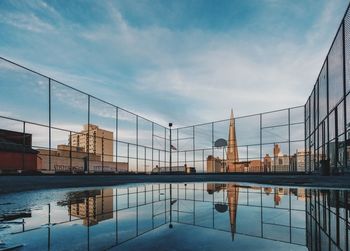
186, 62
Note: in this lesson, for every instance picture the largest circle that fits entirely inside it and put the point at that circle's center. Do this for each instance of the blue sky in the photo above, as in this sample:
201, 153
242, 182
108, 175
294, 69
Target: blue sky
181, 61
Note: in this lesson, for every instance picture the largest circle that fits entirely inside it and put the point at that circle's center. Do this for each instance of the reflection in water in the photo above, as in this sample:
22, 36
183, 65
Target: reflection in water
95, 207
154, 215
230, 204
327, 219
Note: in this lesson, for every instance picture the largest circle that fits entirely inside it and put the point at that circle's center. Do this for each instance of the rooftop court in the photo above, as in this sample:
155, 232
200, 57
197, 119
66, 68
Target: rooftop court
57, 129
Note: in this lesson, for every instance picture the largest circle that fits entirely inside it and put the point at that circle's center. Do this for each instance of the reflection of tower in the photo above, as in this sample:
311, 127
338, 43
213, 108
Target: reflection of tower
232, 151
214, 187
232, 197
278, 193
95, 207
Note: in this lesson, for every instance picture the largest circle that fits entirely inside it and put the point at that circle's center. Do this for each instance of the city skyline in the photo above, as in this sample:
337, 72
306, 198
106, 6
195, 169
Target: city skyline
175, 125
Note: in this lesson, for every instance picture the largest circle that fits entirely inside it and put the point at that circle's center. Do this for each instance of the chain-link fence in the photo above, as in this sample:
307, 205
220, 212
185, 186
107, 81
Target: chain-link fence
326, 111
266, 142
48, 126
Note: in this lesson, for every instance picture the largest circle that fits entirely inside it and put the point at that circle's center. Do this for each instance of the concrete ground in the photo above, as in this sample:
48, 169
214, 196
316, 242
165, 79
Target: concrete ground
21, 183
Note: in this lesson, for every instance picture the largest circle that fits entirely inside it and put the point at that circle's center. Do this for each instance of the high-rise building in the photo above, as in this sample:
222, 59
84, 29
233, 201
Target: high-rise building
298, 161
215, 165
267, 163
94, 140
280, 160
276, 150
232, 149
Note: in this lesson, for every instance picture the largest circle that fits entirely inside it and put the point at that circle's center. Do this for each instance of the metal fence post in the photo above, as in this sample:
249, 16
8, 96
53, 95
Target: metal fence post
116, 138
50, 124
261, 158
289, 140
137, 144
88, 141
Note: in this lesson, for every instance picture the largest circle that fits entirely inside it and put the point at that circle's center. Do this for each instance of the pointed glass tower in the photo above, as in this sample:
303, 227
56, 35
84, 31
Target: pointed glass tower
232, 150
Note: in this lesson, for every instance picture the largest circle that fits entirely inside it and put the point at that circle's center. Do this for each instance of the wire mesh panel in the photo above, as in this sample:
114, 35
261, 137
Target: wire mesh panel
80, 133
159, 149
24, 95
102, 137
335, 70
257, 143
69, 133
72, 131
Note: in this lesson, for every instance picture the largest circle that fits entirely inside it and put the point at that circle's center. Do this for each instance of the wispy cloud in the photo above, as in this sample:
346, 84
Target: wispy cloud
176, 67
28, 22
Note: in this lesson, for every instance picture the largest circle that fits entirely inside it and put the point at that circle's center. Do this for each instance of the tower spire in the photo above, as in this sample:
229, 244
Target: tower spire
232, 150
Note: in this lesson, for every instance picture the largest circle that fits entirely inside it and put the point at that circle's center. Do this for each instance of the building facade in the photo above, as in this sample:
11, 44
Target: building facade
215, 165
16, 152
74, 159
94, 140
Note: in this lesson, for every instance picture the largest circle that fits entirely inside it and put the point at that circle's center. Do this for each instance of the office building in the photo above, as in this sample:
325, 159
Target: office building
95, 140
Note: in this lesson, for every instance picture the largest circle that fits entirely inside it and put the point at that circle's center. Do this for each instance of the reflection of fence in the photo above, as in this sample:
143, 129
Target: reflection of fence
267, 213
143, 208
327, 219
127, 212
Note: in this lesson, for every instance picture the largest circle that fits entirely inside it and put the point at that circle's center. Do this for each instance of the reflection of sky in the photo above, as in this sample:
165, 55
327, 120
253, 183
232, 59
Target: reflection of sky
137, 220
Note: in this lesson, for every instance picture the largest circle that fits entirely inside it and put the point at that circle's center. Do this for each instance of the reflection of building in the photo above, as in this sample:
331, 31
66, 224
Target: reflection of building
327, 215
93, 208
100, 141
267, 190
278, 194
232, 197
214, 187
16, 151
232, 202
301, 194
70, 158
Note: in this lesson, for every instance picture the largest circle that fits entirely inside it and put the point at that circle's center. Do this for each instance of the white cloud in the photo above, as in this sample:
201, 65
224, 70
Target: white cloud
216, 71
29, 22
207, 72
